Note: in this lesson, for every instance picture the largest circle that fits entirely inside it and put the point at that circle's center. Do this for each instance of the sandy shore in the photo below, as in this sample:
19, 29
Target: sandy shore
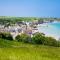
48, 31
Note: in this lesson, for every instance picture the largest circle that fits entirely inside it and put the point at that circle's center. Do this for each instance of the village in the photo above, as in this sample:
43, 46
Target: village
22, 27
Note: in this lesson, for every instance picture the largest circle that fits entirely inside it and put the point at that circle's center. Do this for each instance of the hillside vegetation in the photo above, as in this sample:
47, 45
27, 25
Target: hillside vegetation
13, 50
25, 47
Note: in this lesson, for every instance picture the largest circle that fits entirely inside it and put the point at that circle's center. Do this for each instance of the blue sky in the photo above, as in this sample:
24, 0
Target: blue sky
32, 8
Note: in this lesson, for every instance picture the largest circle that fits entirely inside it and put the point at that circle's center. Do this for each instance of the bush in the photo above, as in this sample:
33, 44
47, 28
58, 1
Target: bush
38, 38
6, 36
24, 38
50, 41
18, 38
57, 44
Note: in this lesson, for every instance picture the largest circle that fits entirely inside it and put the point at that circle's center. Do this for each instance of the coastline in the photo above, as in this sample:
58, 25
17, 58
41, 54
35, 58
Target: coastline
49, 30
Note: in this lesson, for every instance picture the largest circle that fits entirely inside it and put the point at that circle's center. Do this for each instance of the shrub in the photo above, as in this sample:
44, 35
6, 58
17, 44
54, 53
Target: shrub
24, 38
18, 38
50, 41
38, 38
6, 36
1, 35
57, 43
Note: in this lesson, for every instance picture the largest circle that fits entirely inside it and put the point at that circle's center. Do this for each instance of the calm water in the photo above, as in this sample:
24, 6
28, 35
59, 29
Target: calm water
50, 29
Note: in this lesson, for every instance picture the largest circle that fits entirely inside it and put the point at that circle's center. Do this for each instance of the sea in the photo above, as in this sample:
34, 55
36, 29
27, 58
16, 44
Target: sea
50, 29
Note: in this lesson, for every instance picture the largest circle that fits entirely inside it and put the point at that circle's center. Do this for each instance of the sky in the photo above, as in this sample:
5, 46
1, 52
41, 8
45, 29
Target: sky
30, 8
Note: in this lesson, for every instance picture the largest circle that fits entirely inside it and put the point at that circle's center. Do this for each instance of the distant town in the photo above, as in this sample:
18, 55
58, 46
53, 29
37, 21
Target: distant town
19, 27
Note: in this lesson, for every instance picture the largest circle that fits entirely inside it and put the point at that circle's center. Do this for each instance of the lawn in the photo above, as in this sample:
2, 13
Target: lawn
13, 50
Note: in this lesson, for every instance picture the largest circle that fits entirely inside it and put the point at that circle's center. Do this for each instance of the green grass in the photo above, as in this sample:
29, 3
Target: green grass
13, 50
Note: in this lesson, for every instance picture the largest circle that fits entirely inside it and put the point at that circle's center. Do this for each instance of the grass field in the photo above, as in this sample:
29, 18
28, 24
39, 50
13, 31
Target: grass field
12, 50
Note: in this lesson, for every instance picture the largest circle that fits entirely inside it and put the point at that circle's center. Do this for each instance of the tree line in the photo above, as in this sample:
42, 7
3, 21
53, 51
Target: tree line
13, 20
38, 38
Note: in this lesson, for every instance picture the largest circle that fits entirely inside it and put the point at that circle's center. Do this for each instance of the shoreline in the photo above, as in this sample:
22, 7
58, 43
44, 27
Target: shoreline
47, 30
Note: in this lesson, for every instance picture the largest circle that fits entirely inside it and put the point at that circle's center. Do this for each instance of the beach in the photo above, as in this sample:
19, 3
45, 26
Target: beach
50, 29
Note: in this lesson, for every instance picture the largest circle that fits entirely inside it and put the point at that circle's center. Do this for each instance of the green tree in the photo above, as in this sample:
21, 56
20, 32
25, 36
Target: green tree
50, 41
18, 38
25, 38
38, 38
6, 36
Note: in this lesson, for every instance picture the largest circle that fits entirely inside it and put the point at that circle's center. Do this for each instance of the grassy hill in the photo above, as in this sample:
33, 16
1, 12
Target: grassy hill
13, 50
